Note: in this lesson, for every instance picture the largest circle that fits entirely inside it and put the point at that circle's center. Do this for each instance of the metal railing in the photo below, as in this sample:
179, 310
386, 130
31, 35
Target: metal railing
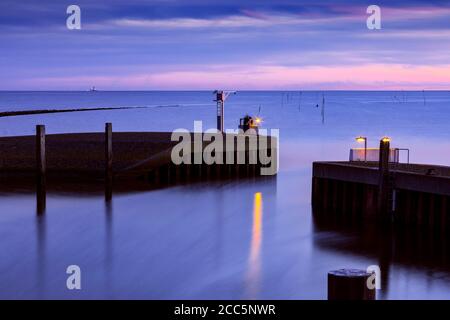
373, 154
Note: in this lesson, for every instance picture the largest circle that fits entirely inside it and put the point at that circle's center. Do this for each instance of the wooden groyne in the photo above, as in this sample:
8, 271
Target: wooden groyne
407, 194
45, 111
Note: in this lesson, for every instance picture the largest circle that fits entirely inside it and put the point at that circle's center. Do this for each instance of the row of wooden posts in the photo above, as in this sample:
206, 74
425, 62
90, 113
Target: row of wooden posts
166, 173
41, 166
171, 173
41, 158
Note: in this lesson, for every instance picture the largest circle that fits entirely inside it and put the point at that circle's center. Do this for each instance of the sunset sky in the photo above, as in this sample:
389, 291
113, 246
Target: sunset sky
230, 44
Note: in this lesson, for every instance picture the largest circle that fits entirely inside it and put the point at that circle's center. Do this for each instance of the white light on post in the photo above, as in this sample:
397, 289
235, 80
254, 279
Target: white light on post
363, 139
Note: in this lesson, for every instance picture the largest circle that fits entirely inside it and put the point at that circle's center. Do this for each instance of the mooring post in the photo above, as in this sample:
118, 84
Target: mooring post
157, 176
178, 172
40, 150
108, 161
420, 216
169, 174
383, 182
41, 169
350, 284
314, 193
432, 210
344, 186
444, 214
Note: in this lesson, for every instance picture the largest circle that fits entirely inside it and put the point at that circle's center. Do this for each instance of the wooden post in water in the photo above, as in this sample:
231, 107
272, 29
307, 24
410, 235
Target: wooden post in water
157, 176
41, 168
315, 192
178, 172
108, 161
169, 173
349, 284
384, 206
444, 210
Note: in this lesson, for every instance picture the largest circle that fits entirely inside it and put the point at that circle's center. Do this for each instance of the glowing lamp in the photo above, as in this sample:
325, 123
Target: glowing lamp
361, 139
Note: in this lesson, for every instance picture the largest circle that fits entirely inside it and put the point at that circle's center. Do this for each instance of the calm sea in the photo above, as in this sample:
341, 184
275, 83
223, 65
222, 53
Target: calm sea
210, 240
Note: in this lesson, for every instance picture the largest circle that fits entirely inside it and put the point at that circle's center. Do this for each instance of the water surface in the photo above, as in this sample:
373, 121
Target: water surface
224, 240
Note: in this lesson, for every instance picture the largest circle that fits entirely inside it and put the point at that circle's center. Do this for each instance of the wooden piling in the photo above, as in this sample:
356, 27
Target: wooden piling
383, 183
408, 207
432, 211
419, 208
370, 201
41, 169
349, 284
40, 151
326, 195
334, 195
157, 176
315, 194
169, 173
400, 206
178, 172
353, 200
108, 161
343, 200
443, 214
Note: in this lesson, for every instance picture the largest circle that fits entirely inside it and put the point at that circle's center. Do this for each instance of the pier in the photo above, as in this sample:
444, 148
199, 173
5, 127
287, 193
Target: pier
415, 194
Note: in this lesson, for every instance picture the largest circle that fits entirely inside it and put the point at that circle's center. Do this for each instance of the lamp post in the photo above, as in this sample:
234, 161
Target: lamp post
363, 139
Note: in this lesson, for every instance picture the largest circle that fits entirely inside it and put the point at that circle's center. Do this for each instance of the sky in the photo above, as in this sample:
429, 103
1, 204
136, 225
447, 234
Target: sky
224, 44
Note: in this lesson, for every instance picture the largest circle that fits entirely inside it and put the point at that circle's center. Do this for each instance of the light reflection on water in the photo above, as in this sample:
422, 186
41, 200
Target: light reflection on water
254, 260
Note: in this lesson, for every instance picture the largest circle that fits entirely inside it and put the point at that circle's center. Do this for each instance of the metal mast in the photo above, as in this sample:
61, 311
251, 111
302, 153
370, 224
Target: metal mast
221, 96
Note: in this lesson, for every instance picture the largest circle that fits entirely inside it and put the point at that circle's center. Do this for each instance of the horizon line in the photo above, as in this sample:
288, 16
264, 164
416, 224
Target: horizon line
243, 90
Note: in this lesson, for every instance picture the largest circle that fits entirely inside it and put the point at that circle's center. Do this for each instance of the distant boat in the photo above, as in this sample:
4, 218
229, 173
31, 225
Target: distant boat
93, 89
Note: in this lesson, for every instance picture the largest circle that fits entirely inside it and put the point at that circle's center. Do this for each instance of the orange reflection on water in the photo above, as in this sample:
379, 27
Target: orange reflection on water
254, 268
257, 227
